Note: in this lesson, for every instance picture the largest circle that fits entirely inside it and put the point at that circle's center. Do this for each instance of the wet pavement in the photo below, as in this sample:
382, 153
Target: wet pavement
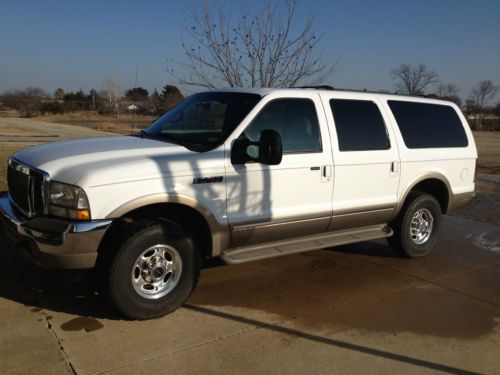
356, 308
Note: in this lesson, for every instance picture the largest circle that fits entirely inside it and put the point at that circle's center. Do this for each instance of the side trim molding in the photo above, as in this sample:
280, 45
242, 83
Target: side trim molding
277, 222
360, 218
364, 209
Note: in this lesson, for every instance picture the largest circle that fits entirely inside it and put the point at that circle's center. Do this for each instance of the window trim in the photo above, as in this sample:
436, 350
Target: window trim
389, 143
320, 150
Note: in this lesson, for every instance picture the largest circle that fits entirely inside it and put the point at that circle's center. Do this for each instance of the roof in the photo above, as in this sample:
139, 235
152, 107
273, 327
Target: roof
263, 91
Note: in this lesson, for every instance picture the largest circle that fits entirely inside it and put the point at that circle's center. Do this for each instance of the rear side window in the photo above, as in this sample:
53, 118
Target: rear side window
425, 125
359, 124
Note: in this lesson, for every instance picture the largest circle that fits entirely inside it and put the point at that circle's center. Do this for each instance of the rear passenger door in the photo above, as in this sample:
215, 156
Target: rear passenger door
366, 160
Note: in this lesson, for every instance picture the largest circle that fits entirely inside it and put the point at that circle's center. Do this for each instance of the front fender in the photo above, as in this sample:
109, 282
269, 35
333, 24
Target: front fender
220, 232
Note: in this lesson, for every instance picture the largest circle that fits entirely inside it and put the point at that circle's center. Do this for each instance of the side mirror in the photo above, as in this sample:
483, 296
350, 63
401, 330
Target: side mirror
239, 153
270, 149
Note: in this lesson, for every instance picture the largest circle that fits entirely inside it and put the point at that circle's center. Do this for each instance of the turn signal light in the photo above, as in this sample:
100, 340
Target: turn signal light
83, 214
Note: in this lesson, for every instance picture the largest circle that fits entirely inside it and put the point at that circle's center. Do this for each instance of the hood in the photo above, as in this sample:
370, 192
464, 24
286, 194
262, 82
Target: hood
106, 160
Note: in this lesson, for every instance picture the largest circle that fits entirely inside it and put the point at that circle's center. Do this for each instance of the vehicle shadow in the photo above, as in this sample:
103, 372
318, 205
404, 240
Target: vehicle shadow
377, 248
71, 292
77, 293
50, 290
338, 289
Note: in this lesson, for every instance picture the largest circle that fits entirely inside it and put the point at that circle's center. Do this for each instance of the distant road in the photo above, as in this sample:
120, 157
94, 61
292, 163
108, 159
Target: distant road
32, 130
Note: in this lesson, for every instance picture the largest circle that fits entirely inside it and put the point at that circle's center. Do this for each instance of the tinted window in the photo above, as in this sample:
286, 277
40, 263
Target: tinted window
359, 125
204, 120
294, 119
428, 125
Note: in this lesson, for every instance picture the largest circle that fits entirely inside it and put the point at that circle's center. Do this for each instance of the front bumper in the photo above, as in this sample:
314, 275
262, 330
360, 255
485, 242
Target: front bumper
50, 242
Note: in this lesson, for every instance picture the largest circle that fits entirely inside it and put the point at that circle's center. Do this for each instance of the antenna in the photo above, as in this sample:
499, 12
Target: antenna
136, 70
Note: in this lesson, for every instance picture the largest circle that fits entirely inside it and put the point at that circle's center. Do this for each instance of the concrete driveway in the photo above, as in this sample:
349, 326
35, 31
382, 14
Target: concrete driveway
357, 309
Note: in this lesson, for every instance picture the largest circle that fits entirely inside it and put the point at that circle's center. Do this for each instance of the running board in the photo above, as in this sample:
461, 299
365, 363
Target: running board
300, 244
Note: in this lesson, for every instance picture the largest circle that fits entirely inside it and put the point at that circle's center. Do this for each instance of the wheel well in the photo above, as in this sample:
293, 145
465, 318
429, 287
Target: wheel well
186, 216
437, 189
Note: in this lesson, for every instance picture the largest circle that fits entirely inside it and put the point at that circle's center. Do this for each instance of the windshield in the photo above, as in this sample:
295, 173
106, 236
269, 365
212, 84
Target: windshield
203, 121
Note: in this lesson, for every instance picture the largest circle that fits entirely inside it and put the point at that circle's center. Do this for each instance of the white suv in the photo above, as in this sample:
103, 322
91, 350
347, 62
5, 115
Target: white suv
239, 174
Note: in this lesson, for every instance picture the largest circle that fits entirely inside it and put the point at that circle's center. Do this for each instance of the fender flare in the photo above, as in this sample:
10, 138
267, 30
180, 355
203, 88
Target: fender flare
419, 179
220, 232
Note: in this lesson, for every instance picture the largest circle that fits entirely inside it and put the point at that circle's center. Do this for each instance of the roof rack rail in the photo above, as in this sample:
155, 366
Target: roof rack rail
328, 87
320, 87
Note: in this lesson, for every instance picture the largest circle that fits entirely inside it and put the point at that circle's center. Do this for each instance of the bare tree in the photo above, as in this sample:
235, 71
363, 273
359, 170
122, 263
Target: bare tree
480, 95
413, 80
113, 93
27, 102
449, 91
262, 48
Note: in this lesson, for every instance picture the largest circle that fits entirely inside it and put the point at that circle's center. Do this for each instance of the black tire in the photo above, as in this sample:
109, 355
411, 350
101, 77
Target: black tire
402, 241
142, 236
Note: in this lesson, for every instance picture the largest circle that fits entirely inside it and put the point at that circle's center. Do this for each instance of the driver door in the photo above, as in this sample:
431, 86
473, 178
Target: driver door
294, 198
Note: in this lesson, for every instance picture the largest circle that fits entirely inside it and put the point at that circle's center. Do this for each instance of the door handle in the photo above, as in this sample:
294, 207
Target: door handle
314, 168
327, 171
394, 168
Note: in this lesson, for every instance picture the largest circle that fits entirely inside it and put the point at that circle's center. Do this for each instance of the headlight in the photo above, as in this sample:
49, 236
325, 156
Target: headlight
68, 201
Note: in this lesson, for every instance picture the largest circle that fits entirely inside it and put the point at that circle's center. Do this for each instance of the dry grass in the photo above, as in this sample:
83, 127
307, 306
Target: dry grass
108, 126
125, 124
18, 131
8, 112
488, 144
485, 207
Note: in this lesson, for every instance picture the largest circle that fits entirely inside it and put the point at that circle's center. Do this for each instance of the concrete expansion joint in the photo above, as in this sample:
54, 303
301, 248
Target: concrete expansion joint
59, 343
241, 332
252, 328
47, 319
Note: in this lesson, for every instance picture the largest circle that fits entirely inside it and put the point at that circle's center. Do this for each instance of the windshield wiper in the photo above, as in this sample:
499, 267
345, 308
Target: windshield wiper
190, 145
173, 139
141, 134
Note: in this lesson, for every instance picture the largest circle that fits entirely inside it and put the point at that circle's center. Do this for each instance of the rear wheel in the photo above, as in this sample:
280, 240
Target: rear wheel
154, 271
417, 227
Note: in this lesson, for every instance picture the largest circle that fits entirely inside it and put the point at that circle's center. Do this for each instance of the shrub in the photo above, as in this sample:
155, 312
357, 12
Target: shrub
52, 108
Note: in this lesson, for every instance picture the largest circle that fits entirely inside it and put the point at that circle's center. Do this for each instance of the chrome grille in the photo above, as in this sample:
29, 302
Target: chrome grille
25, 188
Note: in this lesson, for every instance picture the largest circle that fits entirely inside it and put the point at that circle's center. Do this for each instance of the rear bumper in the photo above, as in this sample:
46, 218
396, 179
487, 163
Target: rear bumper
459, 200
51, 242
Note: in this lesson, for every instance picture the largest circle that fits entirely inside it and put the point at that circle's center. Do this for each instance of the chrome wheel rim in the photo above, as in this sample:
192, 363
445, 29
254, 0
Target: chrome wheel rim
156, 271
421, 226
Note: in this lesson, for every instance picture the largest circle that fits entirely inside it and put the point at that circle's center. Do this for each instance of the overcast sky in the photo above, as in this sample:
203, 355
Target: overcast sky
75, 45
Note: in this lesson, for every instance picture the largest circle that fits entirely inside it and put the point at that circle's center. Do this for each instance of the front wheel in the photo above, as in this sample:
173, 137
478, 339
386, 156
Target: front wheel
154, 271
417, 228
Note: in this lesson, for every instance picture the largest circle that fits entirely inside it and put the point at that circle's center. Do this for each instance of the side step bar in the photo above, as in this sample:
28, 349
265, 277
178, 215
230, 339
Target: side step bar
297, 245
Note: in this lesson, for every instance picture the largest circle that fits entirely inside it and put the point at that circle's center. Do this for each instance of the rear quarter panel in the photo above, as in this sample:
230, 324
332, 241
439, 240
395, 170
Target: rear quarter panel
455, 165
